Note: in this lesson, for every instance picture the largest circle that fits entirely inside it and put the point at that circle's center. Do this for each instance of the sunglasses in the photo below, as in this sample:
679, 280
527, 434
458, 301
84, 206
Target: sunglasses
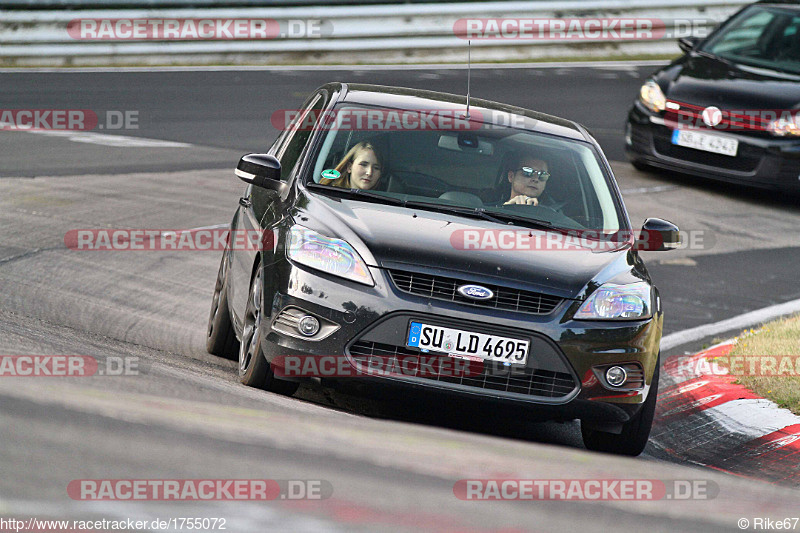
542, 175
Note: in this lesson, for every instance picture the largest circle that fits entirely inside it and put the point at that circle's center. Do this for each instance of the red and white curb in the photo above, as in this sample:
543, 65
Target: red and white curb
704, 417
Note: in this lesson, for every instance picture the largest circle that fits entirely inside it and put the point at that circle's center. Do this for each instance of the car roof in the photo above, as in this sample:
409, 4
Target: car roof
491, 112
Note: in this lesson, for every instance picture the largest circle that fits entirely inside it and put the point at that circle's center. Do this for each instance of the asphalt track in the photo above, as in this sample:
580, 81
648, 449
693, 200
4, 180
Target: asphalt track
185, 416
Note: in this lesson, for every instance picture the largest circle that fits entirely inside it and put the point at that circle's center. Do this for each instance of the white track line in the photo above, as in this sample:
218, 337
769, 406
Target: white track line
104, 139
738, 322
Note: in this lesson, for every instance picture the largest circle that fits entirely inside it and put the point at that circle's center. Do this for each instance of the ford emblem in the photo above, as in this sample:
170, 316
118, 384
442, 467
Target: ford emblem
476, 292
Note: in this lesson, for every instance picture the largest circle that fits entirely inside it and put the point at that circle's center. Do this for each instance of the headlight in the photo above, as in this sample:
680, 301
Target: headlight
652, 96
784, 126
327, 254
617, 302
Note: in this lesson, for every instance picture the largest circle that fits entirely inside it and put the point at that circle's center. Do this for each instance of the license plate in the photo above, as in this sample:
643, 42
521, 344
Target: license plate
706, 142
459, 342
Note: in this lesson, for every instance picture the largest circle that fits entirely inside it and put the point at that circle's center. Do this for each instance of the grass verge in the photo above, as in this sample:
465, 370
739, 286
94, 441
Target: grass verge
771, 358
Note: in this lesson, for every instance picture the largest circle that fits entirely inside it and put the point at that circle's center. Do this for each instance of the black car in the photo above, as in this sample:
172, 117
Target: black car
728, 108
391, 231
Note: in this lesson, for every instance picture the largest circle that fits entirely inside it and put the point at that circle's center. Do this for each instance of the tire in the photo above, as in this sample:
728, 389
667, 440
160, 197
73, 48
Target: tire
635, 432
644, 167
254, 370
220, 336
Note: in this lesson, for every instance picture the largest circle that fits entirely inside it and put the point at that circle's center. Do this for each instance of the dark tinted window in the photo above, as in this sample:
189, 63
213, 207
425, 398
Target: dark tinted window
762, 36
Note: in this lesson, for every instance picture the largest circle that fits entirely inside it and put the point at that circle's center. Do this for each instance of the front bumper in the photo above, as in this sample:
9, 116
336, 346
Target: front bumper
561, 382
762, 162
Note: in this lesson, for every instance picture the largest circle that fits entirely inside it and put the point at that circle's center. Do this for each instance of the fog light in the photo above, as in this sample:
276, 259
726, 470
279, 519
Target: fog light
309, 326
616, 376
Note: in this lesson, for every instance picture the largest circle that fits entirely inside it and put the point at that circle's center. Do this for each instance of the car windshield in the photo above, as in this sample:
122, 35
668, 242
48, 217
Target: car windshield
470, 169
761, 36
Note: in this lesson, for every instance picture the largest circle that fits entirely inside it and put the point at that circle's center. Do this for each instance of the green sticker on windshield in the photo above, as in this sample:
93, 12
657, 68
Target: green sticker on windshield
331, 174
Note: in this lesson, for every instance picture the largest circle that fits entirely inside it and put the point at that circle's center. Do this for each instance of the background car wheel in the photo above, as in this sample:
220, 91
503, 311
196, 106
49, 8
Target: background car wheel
220, 336
254, 370
635, 432
644, 167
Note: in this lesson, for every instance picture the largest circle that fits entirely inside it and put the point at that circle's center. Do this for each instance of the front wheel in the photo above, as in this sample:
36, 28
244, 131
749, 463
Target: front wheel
254, 370
220, 336
635, 432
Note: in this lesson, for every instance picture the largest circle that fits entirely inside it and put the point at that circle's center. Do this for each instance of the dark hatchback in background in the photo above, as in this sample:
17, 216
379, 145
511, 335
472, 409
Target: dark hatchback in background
357, 273
728, 108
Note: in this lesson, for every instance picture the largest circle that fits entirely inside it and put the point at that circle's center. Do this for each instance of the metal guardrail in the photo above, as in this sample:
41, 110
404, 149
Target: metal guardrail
351, 34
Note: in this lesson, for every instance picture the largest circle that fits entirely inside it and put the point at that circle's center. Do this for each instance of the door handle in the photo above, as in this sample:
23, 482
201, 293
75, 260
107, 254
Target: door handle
245, 202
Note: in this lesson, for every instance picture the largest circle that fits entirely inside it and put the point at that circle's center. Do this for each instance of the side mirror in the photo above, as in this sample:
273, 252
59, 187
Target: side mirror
687, 44
261, 170
658, 235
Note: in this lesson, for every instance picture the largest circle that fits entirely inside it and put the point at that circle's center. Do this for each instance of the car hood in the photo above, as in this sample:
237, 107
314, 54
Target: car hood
707, 81
388, 236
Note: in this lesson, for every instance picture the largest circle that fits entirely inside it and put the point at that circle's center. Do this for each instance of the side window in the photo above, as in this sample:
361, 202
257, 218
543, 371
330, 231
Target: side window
297, 138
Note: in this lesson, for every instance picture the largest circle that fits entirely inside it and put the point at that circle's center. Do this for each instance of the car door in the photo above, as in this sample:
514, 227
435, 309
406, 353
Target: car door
258, 204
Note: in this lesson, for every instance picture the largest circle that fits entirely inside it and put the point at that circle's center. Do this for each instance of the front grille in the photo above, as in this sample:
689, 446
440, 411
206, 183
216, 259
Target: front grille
541, 383
444, 288
639, 138
789, 171
691, 116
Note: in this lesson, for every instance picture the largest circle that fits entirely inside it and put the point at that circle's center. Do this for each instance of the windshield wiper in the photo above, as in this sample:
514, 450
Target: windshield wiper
357, 192
480, 212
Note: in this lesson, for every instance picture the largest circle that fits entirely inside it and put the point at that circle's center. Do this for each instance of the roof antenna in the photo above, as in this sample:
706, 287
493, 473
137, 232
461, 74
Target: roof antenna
469, 71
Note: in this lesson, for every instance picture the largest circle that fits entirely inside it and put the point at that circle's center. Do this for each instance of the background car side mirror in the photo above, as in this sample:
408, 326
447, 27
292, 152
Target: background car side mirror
658, 235
261, 170
687, 44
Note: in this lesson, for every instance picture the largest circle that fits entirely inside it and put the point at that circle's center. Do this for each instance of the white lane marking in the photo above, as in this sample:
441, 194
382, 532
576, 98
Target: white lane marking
215, 226
752, 417
738, 322
645, 190
104, 139
622, 65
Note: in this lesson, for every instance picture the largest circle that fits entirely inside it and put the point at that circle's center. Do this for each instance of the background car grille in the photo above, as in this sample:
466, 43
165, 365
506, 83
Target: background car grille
691, 115
444, 288
542, 383
789, 171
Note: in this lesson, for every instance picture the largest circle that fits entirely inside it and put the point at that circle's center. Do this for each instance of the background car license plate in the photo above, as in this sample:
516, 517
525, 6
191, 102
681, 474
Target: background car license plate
703, 141
460, 342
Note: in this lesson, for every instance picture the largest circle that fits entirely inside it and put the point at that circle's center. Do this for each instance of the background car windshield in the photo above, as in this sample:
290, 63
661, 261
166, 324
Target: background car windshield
761, 36
470, 168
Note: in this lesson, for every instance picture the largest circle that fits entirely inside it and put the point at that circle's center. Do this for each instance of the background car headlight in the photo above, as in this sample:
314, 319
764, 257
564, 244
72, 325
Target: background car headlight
783, 127
617, 302
652, 96
327, 254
